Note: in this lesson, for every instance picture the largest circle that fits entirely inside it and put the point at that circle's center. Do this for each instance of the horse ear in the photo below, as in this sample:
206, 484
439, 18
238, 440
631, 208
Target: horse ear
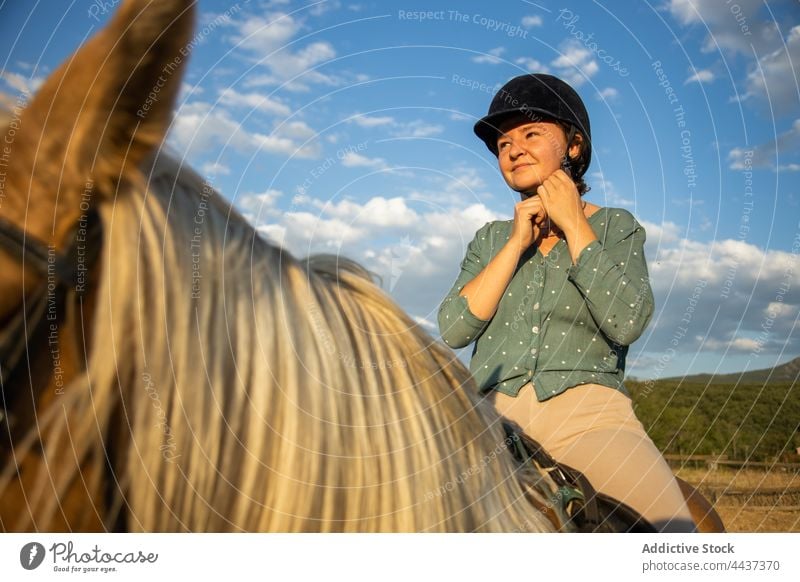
108, 106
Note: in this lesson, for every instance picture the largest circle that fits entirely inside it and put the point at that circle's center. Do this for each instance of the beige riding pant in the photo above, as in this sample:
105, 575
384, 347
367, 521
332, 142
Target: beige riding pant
593, 429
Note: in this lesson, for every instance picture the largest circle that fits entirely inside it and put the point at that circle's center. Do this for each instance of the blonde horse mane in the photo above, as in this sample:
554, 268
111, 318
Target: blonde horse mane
235, 388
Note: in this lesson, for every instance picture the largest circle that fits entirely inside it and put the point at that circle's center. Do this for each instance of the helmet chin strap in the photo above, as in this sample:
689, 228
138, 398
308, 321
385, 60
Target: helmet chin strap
566, 163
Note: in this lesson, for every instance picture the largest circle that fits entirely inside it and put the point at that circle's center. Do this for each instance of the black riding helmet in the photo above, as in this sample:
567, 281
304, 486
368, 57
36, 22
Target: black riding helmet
539, 97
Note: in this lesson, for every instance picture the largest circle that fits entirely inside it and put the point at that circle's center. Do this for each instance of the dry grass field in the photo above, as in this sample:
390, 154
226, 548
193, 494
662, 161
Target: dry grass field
750, 500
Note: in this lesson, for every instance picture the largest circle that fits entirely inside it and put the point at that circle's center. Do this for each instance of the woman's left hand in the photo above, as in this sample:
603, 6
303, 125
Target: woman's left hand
562, 203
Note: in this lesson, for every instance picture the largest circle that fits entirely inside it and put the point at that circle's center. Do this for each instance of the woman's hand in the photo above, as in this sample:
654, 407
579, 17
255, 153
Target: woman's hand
529, 216
562, 203
564, 207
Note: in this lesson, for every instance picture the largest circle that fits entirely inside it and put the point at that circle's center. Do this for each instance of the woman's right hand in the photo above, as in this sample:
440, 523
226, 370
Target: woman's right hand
529, 215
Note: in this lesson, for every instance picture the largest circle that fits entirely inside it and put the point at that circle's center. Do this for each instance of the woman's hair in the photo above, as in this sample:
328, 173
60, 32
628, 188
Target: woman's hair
580, 183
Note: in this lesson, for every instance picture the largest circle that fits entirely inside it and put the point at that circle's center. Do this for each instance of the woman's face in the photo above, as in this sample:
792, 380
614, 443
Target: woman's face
529, 151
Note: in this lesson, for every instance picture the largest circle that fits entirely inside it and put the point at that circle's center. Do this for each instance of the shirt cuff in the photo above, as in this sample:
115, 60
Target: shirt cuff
460, 326
469, 318
589, 254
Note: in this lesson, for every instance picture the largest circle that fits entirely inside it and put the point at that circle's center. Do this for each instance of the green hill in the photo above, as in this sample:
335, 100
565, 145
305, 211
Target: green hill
788, 372
742, 418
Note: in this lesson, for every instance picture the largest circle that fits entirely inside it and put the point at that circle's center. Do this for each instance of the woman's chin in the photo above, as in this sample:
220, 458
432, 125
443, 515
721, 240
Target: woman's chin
527, 187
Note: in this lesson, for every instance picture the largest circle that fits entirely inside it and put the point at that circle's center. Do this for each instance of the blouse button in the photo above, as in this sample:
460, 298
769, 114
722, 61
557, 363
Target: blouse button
535, 329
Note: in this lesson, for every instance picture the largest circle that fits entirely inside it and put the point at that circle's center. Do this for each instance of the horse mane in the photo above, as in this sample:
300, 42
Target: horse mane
234, 387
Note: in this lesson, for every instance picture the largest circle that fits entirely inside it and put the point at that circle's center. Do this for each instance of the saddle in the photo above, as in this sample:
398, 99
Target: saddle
586, 509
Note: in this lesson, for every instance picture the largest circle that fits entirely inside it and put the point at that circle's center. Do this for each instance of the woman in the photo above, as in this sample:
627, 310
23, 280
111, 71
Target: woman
553, 299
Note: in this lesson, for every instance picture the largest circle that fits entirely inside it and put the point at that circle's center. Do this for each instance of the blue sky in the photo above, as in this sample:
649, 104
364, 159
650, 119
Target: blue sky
347, 128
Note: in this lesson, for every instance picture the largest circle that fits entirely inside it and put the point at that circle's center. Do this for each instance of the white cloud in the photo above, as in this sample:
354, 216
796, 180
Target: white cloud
288, 65
414, 128
532, 65
778, 309
371, 121
377, 211
531, 21
725, 297
189, 90
429, 326
323, 7
661, 234
676, 263
268, 40
262, 35
608, 93
417, 128
256, 206
297, 130
774, 78
732, 26
24, 84
765, 155
739, 344
702, 76
354, 160
610, 195
199, 127
745, 29
575, 63
464, 178
414, 249
309, 231
215, 169
452, 187
685, 11
415, 246
492, 57
233, 98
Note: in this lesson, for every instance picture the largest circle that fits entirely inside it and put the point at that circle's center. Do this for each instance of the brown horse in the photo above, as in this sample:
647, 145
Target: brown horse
165, 369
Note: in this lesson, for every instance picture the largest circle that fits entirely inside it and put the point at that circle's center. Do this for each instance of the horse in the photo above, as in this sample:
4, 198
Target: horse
164, 368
